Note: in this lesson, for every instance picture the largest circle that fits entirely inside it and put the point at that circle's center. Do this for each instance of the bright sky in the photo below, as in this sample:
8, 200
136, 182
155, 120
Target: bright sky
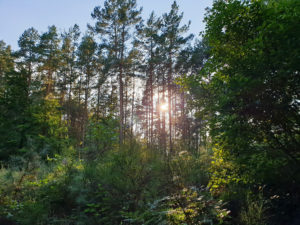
18, 15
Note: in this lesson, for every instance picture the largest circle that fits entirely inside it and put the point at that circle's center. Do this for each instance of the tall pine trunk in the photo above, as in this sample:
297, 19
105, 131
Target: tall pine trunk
170, 102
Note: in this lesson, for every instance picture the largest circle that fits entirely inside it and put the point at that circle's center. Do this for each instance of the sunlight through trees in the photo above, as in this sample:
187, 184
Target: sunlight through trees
138, 122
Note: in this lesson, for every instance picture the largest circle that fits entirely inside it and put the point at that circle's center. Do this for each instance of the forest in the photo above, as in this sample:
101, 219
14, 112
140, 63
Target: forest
137, 121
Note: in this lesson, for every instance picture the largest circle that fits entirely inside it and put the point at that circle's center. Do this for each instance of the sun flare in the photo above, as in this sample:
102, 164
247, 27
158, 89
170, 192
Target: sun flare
164, 107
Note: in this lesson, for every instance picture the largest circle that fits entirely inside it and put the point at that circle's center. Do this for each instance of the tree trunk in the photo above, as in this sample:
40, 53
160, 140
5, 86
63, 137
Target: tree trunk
170, 101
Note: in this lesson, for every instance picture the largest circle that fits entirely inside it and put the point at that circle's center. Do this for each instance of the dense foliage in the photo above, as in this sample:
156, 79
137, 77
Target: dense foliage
212, 138
249, 94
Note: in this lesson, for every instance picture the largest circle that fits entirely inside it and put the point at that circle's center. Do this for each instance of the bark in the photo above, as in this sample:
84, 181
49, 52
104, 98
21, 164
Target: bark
170, 101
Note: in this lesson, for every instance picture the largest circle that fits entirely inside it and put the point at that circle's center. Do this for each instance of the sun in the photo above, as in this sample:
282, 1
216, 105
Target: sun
164, 107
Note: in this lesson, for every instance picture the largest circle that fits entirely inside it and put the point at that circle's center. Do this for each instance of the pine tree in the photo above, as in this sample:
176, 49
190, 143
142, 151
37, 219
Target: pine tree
114, 23
189, 63
27, 54
6, 63
13, 103
67, 72
148, 36
49, 58
87, 64
173, 41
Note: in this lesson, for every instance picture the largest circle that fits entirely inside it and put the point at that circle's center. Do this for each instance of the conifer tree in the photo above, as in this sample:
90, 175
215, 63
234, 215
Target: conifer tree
27, 54
173, 41
67, 71
189, 63
87, 64
6, 64
114, 22
13, 99
148, 36
49, 58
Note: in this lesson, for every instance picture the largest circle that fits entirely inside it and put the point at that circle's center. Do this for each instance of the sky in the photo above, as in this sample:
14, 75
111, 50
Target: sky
18, 15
